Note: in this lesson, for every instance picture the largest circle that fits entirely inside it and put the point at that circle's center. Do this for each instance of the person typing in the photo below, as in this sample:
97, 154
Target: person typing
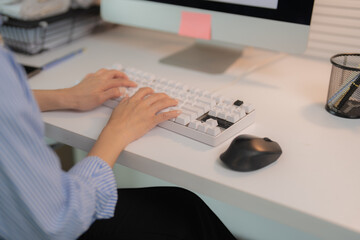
41, 201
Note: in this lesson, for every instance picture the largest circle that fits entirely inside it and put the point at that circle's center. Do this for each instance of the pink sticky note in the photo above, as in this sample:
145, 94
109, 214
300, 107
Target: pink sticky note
196, 25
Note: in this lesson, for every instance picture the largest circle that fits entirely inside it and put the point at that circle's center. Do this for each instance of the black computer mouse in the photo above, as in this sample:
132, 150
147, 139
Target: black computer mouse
249, 153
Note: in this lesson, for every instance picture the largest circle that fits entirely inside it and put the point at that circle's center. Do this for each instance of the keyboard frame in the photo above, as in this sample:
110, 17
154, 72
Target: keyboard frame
206, 138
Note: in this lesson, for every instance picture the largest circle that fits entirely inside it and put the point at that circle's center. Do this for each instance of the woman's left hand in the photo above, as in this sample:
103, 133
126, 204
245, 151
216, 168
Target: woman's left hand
92, 91
98, 87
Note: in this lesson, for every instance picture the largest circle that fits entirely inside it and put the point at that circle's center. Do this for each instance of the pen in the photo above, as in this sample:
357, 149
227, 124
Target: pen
354, 85
340, 93
62, 59
32, 71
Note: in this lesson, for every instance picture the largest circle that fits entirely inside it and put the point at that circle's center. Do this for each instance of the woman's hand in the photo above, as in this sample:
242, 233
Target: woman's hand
96, 88
131, 119
92, 91
135, 116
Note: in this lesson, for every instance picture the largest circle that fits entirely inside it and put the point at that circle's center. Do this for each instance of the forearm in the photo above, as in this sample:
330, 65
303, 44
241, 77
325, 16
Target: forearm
49, 100
109, 145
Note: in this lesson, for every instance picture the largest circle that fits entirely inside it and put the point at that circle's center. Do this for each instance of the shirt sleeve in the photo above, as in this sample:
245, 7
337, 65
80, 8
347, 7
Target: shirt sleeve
38, 199
99, 173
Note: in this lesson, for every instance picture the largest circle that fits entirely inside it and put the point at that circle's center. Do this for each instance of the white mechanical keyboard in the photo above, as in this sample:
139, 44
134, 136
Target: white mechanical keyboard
207, 117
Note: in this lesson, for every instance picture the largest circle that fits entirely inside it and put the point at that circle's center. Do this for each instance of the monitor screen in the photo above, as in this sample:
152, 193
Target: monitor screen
279, 25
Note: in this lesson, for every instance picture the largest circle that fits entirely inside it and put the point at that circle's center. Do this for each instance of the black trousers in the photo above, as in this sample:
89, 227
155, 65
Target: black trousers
159, 213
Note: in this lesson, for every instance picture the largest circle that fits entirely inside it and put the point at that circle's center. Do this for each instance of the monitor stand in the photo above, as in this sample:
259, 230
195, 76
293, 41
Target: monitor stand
205, 56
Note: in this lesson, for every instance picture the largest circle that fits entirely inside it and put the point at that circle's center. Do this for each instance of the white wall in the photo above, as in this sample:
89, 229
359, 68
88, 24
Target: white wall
335, 28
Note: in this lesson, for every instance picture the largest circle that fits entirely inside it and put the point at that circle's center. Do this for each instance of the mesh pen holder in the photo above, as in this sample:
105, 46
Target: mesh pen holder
343, 98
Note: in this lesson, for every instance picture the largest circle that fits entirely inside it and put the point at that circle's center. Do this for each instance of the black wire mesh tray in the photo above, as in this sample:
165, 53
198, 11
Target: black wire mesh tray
32, 37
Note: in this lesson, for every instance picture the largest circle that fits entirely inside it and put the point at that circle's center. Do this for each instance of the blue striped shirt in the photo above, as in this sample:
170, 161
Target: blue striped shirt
37, 199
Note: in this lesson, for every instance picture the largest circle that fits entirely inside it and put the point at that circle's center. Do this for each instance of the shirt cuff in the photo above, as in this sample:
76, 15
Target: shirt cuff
94, 170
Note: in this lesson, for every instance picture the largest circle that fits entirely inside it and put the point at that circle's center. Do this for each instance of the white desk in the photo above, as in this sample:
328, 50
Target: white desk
314, 186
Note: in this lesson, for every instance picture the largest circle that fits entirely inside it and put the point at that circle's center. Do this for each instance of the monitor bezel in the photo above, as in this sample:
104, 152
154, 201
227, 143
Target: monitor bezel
299, 12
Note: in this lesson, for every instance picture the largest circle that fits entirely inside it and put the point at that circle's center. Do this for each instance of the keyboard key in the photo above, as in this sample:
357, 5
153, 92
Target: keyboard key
221, 115
228, 101
233, 117
213, 131
207, 101
211, 122
203, 127
213, 113
192, 115
190, 108
248, 107
202, 106
238, 103
183, 119
194, 124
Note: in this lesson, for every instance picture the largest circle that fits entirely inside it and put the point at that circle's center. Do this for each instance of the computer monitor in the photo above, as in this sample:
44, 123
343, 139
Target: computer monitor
280, 25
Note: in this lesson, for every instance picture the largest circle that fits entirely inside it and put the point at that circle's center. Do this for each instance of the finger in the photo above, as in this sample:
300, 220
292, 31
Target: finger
142, 93
155, 97
110, 93
114, 83
164, 116
115, 74
163, 103
123, 101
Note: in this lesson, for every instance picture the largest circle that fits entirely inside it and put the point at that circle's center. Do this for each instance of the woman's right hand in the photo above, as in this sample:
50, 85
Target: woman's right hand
135, 116
130, 120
